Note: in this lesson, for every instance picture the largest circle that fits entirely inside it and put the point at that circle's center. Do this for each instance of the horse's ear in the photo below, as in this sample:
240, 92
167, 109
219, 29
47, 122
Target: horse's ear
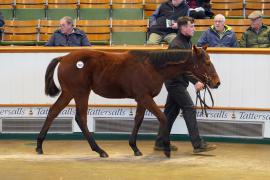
196, 50
205, 47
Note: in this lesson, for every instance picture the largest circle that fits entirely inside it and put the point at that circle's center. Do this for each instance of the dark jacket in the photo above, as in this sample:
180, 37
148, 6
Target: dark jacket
2, 22
252, 39
77, 38
212, 38
167, 11
181, 42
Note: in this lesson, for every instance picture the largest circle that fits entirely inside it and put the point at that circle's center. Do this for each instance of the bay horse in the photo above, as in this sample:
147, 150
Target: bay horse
132, 74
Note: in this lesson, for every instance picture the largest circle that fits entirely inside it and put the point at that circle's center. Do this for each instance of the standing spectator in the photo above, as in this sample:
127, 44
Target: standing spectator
2, 23
219, 34
163, 24
258, 34
178, 96
200, 9
67, 35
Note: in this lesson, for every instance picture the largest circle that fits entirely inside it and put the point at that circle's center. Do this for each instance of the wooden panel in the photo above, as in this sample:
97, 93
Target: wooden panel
129, 6
201, 28
151, 7
63, 1
129, 29
147, 14
129, 22
94, 1
239, 29
20, 30
154, 1
258, 6
258, 1
25, 49
96, 6
238, 35
98, 37
93, 23
44, 37
62, 6
226, 1
20, 37
128, 1
6, 2
6, 6
229, 13
228, 6
96, 30
266, 21
47, 30
204, 22
28, 6
33, 23
52, 23
238, 22
30, 2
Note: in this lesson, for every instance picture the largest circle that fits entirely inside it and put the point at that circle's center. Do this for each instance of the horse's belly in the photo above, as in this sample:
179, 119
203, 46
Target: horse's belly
115, 93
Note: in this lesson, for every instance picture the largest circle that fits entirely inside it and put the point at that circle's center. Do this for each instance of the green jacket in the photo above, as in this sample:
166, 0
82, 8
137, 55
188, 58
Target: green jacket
251, 39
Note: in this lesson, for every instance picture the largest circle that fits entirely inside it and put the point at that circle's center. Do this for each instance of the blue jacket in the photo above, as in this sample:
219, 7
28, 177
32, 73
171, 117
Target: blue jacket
77, 38
2, 22
212, 38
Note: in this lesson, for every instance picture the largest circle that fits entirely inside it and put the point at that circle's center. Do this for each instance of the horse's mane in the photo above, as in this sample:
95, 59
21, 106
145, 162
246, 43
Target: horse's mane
164, 57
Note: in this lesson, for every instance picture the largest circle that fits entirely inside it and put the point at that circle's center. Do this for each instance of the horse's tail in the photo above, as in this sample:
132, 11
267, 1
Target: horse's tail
50, 88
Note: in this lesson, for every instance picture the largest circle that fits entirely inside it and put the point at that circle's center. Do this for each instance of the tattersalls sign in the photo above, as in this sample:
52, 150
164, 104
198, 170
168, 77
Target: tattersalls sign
130, 112
125, 113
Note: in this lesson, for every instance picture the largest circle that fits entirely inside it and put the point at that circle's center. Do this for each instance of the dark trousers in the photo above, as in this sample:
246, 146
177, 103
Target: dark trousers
179, 98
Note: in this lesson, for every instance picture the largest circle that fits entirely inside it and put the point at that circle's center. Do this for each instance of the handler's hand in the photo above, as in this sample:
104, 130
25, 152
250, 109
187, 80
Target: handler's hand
199, 86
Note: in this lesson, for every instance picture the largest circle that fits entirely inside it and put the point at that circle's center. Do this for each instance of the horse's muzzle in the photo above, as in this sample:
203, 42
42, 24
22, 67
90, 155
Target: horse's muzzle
217, 85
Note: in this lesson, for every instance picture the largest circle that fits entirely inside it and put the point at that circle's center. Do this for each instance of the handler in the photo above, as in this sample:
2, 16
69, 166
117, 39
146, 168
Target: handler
178, 96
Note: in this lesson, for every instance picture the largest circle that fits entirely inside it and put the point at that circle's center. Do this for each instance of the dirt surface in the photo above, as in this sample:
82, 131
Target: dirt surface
74, 160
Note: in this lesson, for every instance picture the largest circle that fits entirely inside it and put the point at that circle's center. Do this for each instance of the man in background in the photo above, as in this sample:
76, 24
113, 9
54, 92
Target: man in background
258, 34
219, 34
67, 35
163, 26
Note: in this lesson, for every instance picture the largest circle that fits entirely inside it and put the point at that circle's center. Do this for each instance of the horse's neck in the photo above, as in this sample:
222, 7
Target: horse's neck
173, 70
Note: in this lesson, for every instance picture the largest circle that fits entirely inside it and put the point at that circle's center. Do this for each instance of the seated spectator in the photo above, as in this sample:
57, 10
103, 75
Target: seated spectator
219, 34
2, 23
67, 35
258, 34
163, 24
200, 9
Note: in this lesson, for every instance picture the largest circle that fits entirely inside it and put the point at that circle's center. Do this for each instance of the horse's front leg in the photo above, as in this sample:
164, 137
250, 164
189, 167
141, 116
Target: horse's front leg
148, 102
137, 123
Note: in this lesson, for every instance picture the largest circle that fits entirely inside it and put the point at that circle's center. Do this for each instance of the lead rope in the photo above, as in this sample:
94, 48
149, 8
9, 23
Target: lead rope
203, 104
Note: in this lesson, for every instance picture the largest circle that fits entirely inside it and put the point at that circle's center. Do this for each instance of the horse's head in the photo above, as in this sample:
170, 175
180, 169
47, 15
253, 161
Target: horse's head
203, 68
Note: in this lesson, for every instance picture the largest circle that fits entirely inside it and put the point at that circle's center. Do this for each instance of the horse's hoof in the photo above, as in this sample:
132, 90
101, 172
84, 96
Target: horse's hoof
167, 154
104, 155
39, 151
138, 153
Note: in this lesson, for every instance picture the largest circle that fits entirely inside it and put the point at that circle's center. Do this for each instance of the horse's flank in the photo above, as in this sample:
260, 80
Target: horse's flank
120, 75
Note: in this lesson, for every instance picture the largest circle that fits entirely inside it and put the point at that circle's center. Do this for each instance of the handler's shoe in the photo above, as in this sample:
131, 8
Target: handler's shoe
161, 148
204, 148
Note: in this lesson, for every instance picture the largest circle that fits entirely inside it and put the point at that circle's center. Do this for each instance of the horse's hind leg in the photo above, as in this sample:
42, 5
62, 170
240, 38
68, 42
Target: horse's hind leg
150, 104
55, 109
138, 121
81, 119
